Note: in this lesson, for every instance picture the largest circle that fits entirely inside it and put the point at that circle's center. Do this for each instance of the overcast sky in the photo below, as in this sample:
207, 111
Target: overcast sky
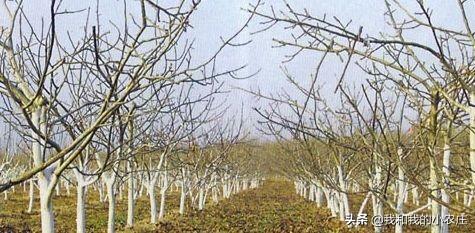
216, 18
220, 17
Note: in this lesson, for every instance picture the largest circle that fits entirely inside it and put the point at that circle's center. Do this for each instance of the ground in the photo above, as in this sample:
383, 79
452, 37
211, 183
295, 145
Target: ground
274, 207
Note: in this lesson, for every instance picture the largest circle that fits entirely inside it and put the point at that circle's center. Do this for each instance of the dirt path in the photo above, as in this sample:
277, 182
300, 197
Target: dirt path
274, 207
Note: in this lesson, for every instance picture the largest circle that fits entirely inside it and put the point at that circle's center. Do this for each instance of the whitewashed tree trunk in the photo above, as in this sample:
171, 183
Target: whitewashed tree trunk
141, 190
444, 212
83, 182
363, 204
153, 205
81, 190
110, 187
470, 198
58, 189
150, 186
100, 189
201, 198
68, 189
182, 198
131, 169
45, 184
81, 209
466, 198
215, 195
319, 196
304, 190
184, 190
130, 196
311, 193
330, 203
341, 206
415, 196
434, 205
472, 136
377, 203
401, 193
245, 184
335, 202
225, 187
163, 194
344, 203
31, 196
46, 209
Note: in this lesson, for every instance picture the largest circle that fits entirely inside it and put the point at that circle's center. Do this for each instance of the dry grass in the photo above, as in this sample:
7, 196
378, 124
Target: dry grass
274, 207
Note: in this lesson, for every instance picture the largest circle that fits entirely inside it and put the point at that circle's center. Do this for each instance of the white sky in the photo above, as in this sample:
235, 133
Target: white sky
217, 18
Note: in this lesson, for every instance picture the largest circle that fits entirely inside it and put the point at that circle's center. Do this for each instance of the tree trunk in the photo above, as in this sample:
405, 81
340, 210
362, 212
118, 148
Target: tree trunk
401, 193
214, 190
68, 189
182, 198
58, 189
81, 209
344, 203
334, 200
46, 209
130, 197
433, 179
111, 199
377, 202
100, 188
163, 193
472, 136
444, 212
153, 203
131, 168
434, 205
44, 177
31, 195
319, 196
201, 198
415, 196
363, 204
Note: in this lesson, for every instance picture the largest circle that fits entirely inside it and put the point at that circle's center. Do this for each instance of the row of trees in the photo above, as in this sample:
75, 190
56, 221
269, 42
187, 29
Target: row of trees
406, 128
116, 104
204, 166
